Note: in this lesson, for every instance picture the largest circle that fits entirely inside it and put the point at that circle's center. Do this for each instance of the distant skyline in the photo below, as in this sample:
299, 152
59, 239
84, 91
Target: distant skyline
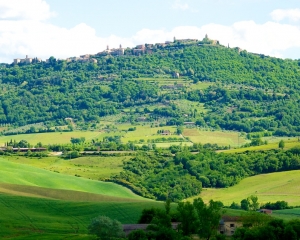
66, 28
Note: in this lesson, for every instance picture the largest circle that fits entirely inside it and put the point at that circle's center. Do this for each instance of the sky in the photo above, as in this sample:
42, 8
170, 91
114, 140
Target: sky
67, 28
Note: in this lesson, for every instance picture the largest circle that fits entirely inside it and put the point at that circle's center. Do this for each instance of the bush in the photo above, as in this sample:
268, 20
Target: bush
105, 228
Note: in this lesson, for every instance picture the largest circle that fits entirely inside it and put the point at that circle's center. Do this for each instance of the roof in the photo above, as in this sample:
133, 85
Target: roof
230, 219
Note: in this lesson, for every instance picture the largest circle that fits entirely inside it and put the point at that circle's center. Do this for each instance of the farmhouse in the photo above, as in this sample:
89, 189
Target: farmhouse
165, 132
265, 211
228, 225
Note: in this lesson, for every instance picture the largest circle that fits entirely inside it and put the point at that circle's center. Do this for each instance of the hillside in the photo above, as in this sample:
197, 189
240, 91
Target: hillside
238, 90
37, 218
20, 174
272, 187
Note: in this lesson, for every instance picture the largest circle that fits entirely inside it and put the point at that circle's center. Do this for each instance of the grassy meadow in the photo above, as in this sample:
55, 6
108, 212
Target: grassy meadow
21, 174
50, 138
272, 187
273, 144
218, 137
38, 218
91, 167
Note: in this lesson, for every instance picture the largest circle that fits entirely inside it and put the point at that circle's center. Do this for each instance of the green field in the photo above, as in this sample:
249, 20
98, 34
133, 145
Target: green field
36, 218
50, 138
21, 174
287, 214
281, 186
91, 167
289, 143
147, 132
190, 106
218, 137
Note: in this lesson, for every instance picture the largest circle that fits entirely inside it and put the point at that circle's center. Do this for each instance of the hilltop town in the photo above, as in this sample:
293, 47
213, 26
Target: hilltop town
138, 50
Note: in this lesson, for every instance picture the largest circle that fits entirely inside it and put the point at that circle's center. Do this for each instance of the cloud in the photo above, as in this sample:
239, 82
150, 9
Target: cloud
291, 14
180, 6
25, 10
35, 37
270, 38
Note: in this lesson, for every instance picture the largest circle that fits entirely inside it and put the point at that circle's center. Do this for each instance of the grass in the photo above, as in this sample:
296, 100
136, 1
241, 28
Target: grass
287, 214
281, 186
36, 218
146, 132
21, 174
218, 137
49, 138
91, 167
201, 85
189, 106
289, 143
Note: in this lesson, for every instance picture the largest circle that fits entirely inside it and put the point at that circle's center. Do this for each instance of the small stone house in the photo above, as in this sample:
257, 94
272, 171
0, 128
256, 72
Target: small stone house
228, 225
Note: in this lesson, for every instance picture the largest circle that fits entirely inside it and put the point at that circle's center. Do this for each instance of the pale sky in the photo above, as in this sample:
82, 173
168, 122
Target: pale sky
66, 28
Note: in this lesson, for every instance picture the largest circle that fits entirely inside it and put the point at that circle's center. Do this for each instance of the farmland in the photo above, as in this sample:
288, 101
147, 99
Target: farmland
50, 138
218, 137
38, 218
281, 186
21, 174
91, 167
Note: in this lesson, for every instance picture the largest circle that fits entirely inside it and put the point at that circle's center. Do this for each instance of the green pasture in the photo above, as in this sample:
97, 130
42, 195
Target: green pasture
289, 143
190, 106
200, 85
38, 218
272, 187
21, 174
91, 167
218, 137
287, 214
147, 132
49, 138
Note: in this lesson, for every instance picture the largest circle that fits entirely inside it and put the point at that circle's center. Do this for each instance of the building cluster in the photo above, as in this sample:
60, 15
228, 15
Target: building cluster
114, 51
82, 58
27, 60
138, 50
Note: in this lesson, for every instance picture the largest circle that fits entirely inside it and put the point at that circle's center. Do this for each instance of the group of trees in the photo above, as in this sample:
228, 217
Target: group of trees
183, 175
261, 227
195, 218
250, 93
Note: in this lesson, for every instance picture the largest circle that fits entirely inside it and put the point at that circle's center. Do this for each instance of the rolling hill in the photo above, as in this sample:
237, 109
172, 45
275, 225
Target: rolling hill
272, 187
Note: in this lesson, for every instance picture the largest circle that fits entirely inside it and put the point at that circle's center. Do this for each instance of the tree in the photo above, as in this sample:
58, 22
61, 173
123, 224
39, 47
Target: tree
253, 203
179, 130
105, 228
245, 204
187, 217
281, 144
208, 217
137, 235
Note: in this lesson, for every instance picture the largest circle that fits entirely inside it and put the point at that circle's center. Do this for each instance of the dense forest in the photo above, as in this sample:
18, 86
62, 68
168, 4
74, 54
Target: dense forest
183, 175
247, 92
